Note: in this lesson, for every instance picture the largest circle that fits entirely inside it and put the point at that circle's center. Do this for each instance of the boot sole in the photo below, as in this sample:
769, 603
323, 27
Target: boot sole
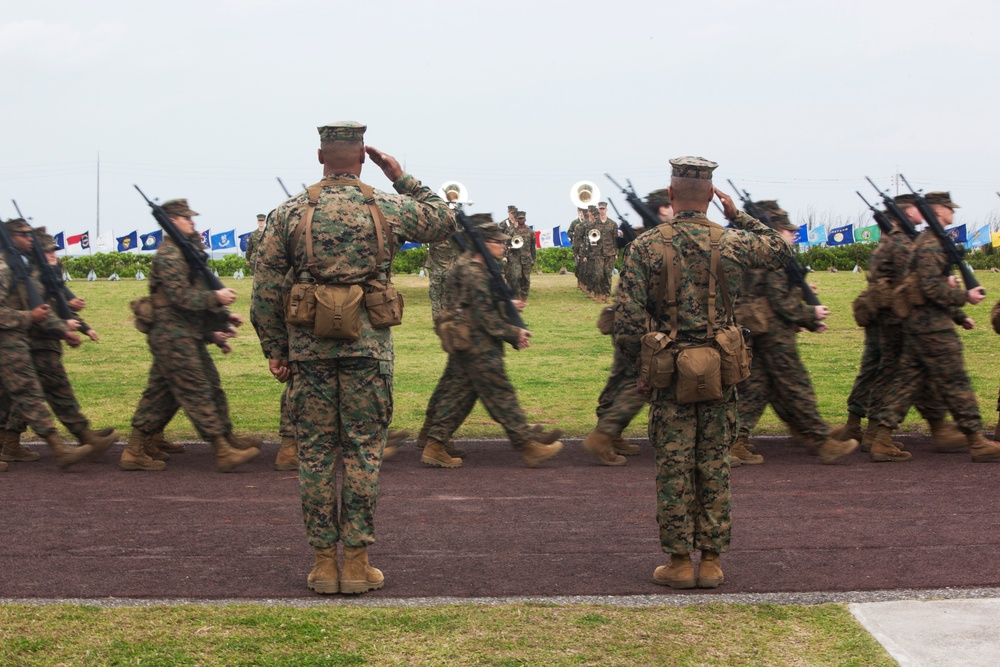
286, 466
358, 587
676, 583
598, 454
139, 466
952, 450
437, 464
709, 583
324, 587
19, 459
886, 458
986, 458
744, 462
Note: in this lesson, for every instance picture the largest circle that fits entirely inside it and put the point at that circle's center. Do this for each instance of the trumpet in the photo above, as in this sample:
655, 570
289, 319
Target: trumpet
454, 193
517, 242
594, 236
584, 194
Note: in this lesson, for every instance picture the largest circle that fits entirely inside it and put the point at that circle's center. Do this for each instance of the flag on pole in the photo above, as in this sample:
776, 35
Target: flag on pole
128, 242
802, 236
224, 240
870, 234
105, 242
82, 239
152, 240
995, 239
244, 241
817, 235
205, 241
840, 235
547, 239
981, 237
410, 245
958, 234
60, 241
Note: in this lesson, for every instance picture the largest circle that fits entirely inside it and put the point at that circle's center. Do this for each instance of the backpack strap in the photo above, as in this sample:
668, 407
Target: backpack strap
667, 279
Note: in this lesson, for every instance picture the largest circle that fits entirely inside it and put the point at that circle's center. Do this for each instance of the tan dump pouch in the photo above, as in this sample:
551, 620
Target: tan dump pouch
606, 321
656, 360
906, 296
699, 374
882, 296
863, 307
300, 305
384, 304
338, 311
995, 317
734, 355
142, 309
455, 334
755, 314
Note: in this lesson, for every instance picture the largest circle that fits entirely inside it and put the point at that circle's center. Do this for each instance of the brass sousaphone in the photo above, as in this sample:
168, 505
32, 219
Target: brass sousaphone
517, 242
584, 194
594, 236
454, 193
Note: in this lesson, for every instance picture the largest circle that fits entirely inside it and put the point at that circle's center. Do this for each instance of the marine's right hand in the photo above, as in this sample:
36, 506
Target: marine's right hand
822, 312
728, 207
523, 342
39, 313
977, 294
387, 163
280, 369
225, 295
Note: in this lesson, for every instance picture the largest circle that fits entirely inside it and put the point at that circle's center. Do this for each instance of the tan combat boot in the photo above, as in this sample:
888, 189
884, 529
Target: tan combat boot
106, 431
66, 455
710, 568
884, 449
624, 447
357, 576
869, 437
99, 442
600, 445
849, 431
288, 459
679, 574
242, 442
540, 435
533, 453
434, 454
325, 575
135, 457
744, 455
946, 437
227, 458
983, 450
13, 450
393, 441
830, 450
165, 445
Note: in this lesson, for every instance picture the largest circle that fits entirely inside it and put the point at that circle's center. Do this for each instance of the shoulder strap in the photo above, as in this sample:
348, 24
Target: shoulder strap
667, 279
716, 269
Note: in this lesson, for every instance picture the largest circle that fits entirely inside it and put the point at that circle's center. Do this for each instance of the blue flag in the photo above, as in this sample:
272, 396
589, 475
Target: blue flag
409, 245
817, 235
840, 235
802, 236
85, 240
244, 241
204, 238
564, 239
981, 237
61, 240
958, 234
128, 242
152, 240
224, 240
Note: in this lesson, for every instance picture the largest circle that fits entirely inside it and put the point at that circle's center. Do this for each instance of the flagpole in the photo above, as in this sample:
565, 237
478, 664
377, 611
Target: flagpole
98, 193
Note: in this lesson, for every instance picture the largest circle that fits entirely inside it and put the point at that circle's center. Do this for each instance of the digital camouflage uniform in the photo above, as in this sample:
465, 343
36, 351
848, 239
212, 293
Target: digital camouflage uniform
591, 257
520, 261
573, 234
186, 312
253, 247
691, 441
341, 393
777, 375
607, 251
441, 257
620, 400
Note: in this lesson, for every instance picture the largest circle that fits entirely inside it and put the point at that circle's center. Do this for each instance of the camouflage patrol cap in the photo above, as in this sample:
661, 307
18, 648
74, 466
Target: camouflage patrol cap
511, 208
17, 225
45, 240
602, 205
591, 208
658, 198
905, 201
693, 167
344, 130
261, 216
941, 199
521, 215
480, 219
178, 207
489, 229
580, 209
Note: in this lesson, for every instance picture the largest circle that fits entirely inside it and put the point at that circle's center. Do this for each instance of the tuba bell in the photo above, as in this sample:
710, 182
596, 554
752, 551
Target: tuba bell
517, 242
584, 194
454, 193
594, 236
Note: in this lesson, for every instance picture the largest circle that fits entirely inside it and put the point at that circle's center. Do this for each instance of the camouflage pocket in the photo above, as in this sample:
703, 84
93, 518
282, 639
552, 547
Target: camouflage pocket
862, 307
734, 355
142, 309
995, 317
656, 360
755, 314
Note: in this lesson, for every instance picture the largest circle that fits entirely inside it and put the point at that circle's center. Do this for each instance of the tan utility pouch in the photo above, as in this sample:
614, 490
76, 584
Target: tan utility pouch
863, 308
755, 314
606, 321
300, 305
338, 311
734, 355
384, 304
882, 296
142, 309
699, 374
995, 317
656, 360
906, 296
454, 332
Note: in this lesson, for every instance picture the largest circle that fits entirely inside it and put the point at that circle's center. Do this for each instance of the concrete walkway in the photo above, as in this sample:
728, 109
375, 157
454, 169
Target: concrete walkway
932, 633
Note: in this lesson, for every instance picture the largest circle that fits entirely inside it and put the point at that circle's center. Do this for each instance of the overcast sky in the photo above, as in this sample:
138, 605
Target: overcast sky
212, 100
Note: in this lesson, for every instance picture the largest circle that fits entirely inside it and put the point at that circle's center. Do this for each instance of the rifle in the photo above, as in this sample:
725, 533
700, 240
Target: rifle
16, 263
893, 207
287, 193
55, 286
650, 220
951, 251
501, 292
628, 233
880, 218
796, 274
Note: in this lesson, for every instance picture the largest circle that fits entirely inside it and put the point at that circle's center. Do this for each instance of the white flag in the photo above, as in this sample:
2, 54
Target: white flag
546, 238
105, 242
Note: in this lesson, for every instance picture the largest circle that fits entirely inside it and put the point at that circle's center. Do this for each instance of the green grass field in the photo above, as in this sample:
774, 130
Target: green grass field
558, 379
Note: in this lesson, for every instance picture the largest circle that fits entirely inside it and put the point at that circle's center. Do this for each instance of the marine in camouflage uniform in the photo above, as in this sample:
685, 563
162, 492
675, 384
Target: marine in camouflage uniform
441, 256
692, 441
46, 355
520, 261
187, 316
21, 393
478, 373
607, 251
777, 374
341, 396
573, 234
253, 243
591, 258
932, 350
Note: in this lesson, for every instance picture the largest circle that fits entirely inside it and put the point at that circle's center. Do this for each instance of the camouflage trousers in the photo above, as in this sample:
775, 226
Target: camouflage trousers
285, 427
518, 273
620, 401
604, 269
21, 392
58, 394
858, 401
925, 396
588, 273
470, 376
778, 377
183, 375
340, 408
691, 443
934, 358
438, 291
